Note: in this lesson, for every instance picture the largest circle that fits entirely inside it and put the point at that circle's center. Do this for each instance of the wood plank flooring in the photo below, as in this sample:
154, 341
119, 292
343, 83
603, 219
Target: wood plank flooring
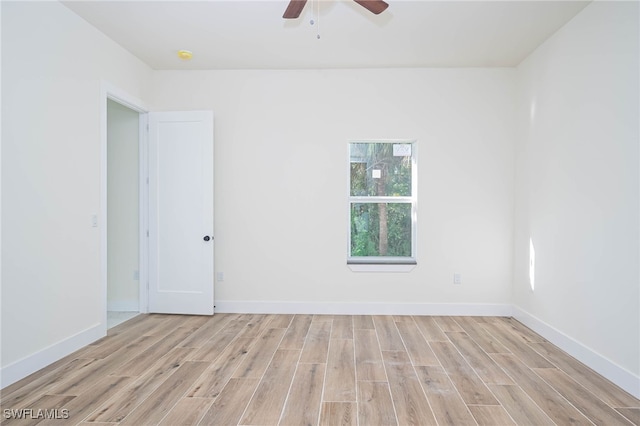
245, 369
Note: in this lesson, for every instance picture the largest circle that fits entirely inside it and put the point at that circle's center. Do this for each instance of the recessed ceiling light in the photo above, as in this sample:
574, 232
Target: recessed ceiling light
185, 55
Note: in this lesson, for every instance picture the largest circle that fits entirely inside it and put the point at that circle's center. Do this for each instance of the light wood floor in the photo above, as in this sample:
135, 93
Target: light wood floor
233, 369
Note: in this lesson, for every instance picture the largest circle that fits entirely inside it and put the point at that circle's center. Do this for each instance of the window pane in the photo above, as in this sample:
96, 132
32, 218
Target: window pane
381, 229
380, 169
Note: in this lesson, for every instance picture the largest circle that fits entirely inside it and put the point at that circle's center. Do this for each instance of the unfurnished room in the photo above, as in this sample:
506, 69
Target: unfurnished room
320, 212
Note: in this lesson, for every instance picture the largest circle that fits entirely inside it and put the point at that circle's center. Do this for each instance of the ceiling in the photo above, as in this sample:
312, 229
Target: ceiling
239, 34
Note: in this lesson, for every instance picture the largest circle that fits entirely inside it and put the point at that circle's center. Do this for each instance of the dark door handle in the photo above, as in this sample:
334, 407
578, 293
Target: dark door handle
206, 238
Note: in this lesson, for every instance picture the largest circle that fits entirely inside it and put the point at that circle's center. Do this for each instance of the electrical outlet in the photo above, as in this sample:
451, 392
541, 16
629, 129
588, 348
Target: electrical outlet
220, 276
136, 275
457, 278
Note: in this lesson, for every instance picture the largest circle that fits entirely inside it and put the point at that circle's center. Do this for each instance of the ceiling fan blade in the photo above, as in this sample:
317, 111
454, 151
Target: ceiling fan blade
374, 6
294, 9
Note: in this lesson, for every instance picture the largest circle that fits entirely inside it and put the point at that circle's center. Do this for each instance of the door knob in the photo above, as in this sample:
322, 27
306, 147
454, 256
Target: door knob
206, 238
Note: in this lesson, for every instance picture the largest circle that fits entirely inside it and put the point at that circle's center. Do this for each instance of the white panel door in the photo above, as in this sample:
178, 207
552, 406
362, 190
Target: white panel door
181, 212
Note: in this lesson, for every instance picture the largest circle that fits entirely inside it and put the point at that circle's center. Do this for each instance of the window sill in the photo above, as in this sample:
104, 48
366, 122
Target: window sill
382, 265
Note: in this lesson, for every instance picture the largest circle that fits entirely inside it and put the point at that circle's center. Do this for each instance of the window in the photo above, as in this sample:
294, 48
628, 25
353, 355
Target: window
382, 203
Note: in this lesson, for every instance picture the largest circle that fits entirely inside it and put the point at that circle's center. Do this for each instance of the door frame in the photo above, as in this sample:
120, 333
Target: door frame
109, 91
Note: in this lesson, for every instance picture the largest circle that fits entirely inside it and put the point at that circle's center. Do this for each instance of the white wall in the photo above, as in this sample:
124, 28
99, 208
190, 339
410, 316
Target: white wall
122, 204
53, 63
281, 180
577, 192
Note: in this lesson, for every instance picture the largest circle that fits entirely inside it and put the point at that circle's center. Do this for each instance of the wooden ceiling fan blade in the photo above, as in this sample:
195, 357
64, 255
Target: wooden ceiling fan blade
294, 9
374, 6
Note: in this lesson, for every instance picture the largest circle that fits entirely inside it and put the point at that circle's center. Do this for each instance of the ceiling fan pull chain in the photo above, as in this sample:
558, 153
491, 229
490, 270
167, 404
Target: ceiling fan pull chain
318, 18
315, 9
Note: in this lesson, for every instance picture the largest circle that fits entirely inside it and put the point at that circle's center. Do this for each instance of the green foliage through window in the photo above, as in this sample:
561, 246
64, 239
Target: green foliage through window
375, 171
381, 199
366, 235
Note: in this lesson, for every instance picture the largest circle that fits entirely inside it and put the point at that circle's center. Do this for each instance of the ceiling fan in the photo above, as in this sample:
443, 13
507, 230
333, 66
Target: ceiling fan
295, 7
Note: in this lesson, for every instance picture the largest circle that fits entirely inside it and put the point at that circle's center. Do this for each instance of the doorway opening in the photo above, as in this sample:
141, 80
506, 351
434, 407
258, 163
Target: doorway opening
123, 207
123, 242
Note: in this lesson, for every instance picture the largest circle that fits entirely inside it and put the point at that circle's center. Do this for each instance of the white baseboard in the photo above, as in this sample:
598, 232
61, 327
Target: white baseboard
607, 368
123, 306
362, 308
30, 364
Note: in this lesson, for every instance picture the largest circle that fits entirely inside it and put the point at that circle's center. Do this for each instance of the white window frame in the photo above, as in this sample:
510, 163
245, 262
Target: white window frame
385, 263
